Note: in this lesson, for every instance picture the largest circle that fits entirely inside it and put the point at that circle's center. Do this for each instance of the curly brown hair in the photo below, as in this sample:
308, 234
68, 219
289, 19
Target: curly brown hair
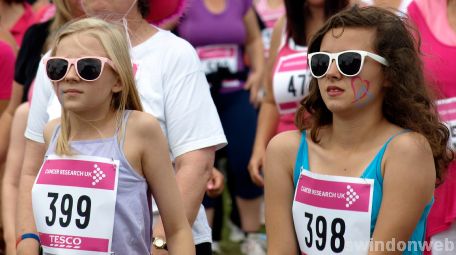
408, 101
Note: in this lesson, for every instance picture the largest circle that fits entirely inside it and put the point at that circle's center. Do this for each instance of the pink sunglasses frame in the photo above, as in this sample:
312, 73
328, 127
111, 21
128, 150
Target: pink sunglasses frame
74, 61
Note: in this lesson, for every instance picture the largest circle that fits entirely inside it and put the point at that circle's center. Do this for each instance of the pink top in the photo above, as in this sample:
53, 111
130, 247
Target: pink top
25, 21
268, 15
431, 19
288, 48
7, 61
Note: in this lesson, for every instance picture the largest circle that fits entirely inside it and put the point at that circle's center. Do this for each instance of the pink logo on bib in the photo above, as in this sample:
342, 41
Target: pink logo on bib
352, 196
74, 242
337, 195
98, 175
78, 173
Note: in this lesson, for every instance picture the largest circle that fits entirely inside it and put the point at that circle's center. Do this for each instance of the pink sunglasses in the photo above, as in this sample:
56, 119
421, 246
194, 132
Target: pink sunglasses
88, 68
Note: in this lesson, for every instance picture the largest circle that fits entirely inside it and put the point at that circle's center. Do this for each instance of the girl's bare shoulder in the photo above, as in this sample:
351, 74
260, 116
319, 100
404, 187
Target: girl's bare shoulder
286, 143
143, 124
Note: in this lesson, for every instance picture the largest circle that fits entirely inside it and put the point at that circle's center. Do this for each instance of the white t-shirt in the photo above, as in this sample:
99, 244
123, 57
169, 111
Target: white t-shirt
172, 87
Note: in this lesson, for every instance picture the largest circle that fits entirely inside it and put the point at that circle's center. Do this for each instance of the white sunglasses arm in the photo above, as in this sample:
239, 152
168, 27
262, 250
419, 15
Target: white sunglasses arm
377, 58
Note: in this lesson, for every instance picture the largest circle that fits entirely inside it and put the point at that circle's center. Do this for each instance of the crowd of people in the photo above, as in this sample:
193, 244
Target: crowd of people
331, 121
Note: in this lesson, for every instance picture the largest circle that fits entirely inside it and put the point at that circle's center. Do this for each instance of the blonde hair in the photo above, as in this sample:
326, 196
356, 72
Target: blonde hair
62, 15
114, 41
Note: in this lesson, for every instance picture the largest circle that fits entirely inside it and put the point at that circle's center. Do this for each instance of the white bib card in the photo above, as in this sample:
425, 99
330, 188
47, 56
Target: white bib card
332, 214
74, 200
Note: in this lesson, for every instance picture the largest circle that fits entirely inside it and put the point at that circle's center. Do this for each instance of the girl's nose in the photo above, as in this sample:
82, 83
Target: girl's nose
72, 74
333, 72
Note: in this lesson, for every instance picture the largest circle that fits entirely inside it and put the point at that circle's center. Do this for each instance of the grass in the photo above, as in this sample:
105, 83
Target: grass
227, 246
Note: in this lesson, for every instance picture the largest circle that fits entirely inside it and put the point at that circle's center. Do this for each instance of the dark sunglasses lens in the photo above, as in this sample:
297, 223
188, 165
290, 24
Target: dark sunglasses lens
56, 68
89, 68
319, 64
350, 63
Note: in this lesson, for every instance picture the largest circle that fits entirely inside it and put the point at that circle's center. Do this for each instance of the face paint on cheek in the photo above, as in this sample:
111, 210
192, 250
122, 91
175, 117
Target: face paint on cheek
360, 90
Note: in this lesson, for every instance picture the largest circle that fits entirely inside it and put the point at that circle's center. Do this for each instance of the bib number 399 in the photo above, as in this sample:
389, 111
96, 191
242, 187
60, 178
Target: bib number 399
83, 206
319, 226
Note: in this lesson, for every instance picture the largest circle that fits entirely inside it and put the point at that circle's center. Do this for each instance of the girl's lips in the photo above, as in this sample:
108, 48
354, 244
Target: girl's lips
72, 91
334, 91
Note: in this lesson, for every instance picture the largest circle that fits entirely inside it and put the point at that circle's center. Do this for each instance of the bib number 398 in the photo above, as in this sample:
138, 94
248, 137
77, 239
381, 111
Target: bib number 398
66, 204
318, 226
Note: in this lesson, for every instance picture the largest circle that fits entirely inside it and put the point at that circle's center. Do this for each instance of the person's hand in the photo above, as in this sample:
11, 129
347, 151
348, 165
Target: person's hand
253, 84
255, 167
216, 184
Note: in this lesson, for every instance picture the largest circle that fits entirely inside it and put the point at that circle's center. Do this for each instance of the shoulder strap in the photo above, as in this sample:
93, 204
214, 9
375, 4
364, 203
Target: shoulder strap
301, 158
382, 150
374, 168
54, 137
123, 128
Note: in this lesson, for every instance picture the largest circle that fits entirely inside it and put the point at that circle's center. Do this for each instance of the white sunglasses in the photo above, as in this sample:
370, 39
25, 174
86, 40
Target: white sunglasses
349, 63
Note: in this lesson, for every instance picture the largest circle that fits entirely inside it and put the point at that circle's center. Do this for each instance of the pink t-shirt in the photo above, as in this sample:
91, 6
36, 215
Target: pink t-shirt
437, 20
25, 21
7, 60
439, 54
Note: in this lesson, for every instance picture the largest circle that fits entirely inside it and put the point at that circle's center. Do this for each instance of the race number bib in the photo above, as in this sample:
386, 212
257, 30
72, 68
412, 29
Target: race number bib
215, 56
447, 112
291, 82
332, 214
74, 202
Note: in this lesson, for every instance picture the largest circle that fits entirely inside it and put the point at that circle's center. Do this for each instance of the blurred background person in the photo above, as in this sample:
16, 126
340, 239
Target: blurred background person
287, 75
16, 16
435, 21
7, 59
222, 31
269, 12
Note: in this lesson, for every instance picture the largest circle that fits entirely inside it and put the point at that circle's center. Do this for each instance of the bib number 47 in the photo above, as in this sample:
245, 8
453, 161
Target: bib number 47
319, 227
83, 206
292, 88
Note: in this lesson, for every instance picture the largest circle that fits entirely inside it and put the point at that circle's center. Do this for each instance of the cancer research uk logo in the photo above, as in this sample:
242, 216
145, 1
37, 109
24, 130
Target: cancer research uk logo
333, 193
351, 196
98, 175
78, 173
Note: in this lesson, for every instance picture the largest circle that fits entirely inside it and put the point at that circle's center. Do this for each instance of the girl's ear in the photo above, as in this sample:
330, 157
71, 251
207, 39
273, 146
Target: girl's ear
117, 87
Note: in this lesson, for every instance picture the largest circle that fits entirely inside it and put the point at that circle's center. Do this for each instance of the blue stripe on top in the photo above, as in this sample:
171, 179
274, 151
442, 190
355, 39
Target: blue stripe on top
373, 171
